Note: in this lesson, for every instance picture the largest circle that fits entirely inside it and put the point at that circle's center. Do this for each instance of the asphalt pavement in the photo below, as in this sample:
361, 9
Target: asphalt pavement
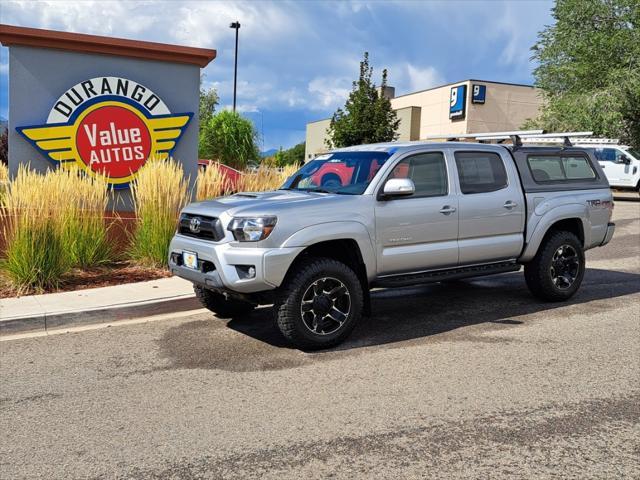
472, 379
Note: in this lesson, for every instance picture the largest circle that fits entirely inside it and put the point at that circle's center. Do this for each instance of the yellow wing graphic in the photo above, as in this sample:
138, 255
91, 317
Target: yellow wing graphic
55, 142
165, 132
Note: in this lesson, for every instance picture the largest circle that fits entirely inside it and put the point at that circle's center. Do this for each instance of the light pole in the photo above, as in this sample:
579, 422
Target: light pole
235, 25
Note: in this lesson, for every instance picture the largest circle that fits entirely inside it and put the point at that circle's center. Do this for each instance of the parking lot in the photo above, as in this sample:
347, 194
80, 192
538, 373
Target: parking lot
472, 379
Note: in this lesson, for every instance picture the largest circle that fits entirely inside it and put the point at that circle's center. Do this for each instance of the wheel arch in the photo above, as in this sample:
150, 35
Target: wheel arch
570, 222
346, 250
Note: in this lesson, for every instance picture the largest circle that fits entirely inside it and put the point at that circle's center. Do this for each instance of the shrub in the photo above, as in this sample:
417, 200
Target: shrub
212, 183
159, 193
230, 139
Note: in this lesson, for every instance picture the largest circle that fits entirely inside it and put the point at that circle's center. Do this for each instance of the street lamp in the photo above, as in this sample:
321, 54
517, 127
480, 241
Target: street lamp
235, 25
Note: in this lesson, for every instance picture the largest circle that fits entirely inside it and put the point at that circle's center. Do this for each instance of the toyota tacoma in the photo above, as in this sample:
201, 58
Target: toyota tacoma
395, 214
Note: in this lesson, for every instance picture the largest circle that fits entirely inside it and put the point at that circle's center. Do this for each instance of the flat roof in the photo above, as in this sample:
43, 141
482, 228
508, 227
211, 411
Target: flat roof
465, 81
11, 35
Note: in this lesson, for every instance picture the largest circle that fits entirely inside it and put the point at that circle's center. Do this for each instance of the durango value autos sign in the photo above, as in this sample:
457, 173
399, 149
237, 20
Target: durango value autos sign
110, 126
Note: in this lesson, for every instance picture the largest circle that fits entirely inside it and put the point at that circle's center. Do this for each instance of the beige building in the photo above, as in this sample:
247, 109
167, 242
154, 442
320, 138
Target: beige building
470, 106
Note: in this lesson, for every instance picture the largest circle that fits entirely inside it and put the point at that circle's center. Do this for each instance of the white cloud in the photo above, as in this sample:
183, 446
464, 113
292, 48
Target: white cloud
328, 93
302, 56
422, 78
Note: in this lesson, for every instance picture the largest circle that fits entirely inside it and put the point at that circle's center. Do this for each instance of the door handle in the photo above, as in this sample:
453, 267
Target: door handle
447, 210
509, 204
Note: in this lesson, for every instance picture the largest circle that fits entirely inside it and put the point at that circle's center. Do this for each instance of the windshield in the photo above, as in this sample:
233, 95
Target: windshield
346, 173
635, 153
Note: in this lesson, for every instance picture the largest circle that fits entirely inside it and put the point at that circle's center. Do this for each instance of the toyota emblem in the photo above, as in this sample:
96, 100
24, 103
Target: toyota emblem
194, 225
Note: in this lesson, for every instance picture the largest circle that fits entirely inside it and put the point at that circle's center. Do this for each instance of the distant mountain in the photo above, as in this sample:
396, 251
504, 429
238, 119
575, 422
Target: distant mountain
269, 153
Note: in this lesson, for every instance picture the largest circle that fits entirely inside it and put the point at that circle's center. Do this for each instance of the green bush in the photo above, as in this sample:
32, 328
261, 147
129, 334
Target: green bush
230, 139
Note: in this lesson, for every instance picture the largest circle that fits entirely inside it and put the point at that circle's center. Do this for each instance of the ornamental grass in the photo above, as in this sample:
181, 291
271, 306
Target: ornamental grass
4, 179
52, 222
159, 192
213, 183
265, 178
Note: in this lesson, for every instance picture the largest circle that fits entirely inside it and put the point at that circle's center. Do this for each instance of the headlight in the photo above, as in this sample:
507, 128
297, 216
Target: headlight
252, 229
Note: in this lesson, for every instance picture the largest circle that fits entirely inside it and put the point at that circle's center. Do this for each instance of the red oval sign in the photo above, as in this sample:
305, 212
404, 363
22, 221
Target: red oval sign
113, 141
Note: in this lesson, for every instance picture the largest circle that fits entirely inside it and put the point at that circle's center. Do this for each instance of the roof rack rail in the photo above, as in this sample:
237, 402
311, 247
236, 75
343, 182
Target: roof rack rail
519, 137
613, 141
481, 136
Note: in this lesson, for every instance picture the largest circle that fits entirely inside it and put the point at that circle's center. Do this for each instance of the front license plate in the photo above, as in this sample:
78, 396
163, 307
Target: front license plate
190, 260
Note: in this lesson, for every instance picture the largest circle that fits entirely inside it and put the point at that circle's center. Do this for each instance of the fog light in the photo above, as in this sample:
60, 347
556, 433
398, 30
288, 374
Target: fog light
246, 271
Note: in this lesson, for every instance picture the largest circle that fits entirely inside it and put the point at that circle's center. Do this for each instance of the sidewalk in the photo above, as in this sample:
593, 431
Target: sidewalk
96, 305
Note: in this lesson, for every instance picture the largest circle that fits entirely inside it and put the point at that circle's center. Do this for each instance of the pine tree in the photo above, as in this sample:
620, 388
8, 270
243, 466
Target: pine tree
367, 116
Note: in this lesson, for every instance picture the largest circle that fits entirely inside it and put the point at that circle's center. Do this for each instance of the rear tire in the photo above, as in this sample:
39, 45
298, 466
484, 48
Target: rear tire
557, 270
221, 306
320, 305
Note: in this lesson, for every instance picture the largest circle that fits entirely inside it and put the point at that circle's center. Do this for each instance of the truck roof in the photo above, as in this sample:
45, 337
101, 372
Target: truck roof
519, 155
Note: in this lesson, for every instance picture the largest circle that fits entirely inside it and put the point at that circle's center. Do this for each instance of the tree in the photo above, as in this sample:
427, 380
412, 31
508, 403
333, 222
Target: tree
367, 116
291, 156
229, 138
589, 68
4, 146
208, 101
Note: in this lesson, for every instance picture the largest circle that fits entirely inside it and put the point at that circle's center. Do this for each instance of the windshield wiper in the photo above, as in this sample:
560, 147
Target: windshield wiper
317, 190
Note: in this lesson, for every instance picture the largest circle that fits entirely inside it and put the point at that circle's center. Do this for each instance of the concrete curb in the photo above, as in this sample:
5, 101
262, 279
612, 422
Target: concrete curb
105, 314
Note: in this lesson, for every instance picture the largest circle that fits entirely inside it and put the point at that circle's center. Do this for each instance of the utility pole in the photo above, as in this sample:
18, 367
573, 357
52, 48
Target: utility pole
235, 25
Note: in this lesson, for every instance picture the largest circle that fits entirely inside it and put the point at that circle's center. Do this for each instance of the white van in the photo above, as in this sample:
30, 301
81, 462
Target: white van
621, 164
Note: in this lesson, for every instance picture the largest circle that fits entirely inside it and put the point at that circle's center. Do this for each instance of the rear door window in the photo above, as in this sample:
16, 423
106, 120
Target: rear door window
549, 168
480, 172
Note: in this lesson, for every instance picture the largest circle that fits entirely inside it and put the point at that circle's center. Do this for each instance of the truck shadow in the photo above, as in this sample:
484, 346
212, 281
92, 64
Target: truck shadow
412, 313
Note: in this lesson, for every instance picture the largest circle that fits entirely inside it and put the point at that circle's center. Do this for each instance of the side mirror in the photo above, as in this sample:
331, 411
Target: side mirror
625, 160
399, 187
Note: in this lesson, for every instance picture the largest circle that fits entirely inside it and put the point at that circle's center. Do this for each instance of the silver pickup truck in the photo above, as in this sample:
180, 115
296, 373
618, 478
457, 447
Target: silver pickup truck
391, 215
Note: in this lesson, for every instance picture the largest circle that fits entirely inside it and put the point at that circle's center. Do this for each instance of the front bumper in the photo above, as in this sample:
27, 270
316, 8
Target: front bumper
218, 264
611, 227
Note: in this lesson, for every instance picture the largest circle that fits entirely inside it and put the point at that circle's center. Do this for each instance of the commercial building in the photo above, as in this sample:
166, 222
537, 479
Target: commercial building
469, 106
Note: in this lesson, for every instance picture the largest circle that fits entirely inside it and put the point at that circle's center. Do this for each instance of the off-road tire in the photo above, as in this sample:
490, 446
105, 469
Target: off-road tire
288, 306
537, 272
221, 306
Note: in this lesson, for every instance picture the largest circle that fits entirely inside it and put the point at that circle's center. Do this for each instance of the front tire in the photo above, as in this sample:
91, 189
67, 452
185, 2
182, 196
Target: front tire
320, 305
220, 305
557, 270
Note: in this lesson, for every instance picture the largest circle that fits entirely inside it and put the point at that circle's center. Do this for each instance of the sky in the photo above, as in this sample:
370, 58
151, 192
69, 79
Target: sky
297, 59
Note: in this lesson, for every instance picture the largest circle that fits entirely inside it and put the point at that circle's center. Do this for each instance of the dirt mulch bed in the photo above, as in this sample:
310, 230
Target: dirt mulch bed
115, 274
